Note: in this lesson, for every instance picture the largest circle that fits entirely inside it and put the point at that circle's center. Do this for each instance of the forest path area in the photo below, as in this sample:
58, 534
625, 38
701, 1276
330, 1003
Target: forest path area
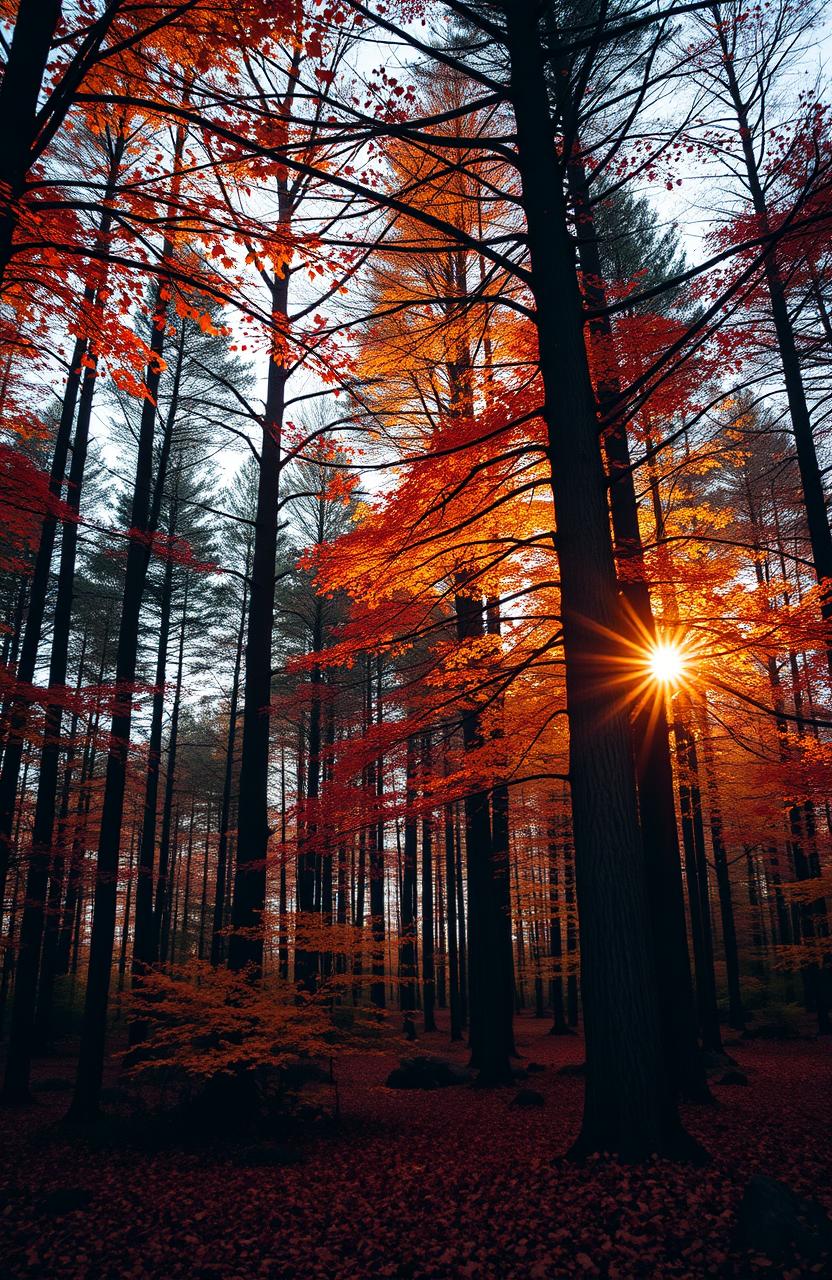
434, 1185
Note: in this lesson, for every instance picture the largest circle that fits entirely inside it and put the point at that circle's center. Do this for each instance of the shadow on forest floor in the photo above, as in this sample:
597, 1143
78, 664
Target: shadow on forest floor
418, 1184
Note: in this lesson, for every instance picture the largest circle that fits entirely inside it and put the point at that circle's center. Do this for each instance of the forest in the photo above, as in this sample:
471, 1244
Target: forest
415, 639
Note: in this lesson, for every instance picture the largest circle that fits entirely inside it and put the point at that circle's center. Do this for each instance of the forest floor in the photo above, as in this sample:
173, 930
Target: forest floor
414, 1185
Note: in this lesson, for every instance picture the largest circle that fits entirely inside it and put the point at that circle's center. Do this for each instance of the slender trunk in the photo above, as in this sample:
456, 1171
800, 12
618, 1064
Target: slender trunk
283, 957
203, 901
500, 858
161, 916
377, 870
736, 1015
22, 1038
51, 928
814, 499
490, 1045
559, 1025
125, 923
453, 955
696, 872
245, 948
94, 1024
408, 894
82, 809
461, 917
218, 921
428, 968
306, 958
145, 950
186, 901
19, 707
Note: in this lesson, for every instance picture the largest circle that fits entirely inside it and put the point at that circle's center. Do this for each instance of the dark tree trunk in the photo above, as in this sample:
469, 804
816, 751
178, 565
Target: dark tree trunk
306, 958
160, 914
35, 25
22, 1039
145, 943
376, 861
186, 899
82, 810
453, 955
696, 872
559, 1025
57, 877
490, 1045
629, 1104
283, 950
500, 856
428, 970
203, 901
19, 709
246, 941
651, 744
441, 941
218, 919
461, 917
94, 1024
125, 923
736, 1015
408, 897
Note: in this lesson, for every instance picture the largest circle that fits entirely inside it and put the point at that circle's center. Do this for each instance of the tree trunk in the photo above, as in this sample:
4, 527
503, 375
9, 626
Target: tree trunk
453, 955
94, 1024
501, 856
814, 499
35, 25
651, 744
160, 913
736, 1015
428, 970
21, 1042
629, 1106
57, 876
408, 896
218, 921
490, 1045
245, 948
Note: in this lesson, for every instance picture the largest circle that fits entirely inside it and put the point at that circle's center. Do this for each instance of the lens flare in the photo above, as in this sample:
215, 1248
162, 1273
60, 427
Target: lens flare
667, 662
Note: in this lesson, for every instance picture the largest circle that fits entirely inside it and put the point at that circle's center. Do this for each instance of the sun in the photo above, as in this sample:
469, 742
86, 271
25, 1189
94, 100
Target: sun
666, 662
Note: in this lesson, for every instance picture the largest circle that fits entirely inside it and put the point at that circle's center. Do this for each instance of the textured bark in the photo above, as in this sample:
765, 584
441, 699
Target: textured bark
21, 1043
629, 1106
57, 877
651, 743
408, 903
161, 916
454, 995
696, 872
218, 918
246, 942
35, 25
428, 969
736, 1015
94, 1024
487, 992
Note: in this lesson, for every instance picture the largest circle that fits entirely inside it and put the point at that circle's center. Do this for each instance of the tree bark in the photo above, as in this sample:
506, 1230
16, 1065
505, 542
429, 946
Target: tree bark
34, 29
629, 1105
245, 948
428, 968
